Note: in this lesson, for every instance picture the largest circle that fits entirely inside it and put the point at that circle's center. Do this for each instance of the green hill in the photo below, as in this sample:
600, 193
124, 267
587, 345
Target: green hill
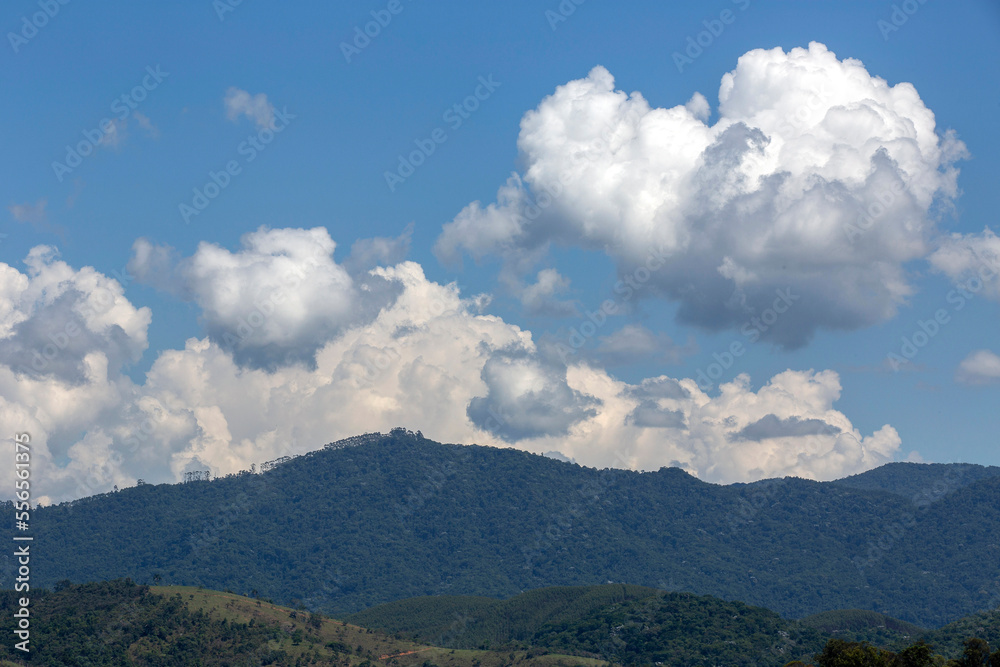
861, 625
628, 625
487, 621
633, 625
949, 639
120, 623
385, 518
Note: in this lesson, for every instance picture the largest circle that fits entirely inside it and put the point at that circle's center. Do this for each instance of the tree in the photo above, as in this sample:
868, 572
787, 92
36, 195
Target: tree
976, 654
839, 653
918, 655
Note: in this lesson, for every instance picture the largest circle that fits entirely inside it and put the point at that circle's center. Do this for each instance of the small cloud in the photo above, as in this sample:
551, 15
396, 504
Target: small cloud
255, 107
771, 426
378, 251
146, 124
37, 216
115, 135
540, 299
33, 213
658, 387
558, 456
634, 343
698, 106
979, 368
77, 189
649, 414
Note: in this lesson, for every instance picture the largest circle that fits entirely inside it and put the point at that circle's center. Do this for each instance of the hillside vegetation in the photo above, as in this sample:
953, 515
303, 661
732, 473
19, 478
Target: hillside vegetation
120, 623
397, 516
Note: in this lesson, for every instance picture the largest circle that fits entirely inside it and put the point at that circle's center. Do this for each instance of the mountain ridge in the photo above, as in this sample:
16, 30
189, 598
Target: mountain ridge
344, 528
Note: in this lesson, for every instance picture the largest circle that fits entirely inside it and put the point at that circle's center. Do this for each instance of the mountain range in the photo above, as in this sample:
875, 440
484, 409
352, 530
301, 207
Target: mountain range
379, 518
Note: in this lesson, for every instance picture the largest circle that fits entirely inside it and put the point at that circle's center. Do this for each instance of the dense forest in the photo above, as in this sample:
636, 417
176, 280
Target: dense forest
388, 517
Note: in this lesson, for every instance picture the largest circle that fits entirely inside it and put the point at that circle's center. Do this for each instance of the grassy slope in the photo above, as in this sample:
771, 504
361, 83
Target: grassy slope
374, 645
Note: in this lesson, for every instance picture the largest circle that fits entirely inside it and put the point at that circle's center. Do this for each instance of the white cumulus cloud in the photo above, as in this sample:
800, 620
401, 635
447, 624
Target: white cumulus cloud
816, 176
980, 367
424, 356
275, 301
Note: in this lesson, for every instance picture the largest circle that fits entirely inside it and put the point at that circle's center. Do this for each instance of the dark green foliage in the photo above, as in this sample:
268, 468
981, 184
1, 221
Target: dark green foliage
633, 625
920, 483
950, 640
120, 623
629, 625
839, 653
400, 516
472, 622
683, 629
859, 625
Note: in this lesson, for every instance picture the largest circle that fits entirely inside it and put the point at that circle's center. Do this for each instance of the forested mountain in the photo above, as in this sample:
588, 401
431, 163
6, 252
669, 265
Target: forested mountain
390, 517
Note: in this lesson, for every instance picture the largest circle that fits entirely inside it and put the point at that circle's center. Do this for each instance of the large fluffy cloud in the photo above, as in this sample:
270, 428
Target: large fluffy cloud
816, 176
428, 358
54, 318
278, 299
65, 335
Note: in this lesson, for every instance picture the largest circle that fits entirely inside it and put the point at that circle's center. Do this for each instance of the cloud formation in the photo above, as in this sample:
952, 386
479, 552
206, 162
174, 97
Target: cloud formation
424, 356
275, 301
817, 176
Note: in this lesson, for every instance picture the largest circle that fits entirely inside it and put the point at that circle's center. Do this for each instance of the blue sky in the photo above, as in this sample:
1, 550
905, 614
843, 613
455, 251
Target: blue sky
350, 122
